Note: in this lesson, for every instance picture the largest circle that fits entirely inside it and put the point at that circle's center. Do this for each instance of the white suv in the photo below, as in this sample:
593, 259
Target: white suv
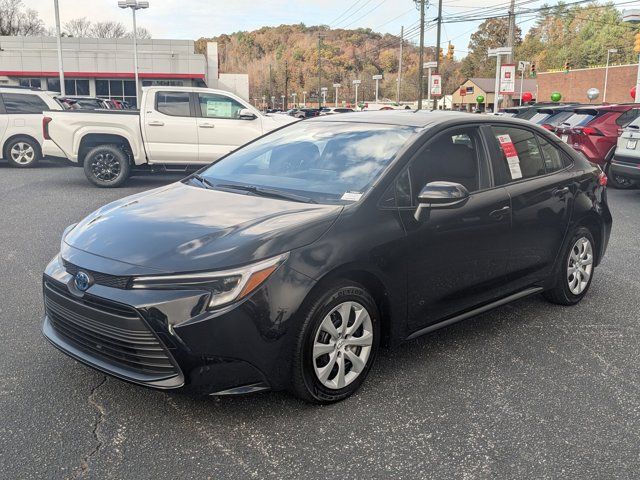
21, 140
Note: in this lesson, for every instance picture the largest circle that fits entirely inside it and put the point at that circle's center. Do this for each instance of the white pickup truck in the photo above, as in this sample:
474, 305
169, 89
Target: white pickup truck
175, 129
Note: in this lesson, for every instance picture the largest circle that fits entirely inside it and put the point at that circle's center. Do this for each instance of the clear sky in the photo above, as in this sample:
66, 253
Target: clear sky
191, 19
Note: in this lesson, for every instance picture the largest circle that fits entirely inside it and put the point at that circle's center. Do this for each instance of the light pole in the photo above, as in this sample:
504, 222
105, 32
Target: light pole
429, 66
134, 5
304, 98
283, 107
294, 95
356, 83
377, 78
496, 52
337, 87
59, 40
324, 95
606, 74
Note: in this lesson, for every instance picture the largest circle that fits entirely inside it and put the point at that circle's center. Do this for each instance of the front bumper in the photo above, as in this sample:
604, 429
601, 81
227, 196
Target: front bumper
167, 339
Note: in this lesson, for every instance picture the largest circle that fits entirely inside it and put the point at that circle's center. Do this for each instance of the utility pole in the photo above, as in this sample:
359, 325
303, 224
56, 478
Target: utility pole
286, 85
438, 35
319, 68
400, 65
271, 86
511, 40
421, 60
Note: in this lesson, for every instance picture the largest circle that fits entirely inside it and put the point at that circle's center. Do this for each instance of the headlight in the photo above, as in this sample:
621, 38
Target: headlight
225, 286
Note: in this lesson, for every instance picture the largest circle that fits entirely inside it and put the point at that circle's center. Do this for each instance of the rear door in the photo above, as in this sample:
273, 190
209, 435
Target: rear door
220, 128
535, 172
24, 114
170, 131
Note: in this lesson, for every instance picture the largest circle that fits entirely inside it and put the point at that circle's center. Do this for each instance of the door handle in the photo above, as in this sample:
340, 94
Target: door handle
501, 212
155, 123
561, 192
206, 125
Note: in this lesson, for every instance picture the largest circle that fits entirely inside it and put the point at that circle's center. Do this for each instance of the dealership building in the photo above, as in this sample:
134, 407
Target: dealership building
103, 67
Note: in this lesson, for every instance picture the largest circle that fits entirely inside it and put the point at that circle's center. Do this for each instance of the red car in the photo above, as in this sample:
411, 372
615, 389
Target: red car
594, 131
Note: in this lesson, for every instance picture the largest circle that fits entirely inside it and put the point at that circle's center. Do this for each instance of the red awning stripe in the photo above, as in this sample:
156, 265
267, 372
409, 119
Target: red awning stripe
105, 75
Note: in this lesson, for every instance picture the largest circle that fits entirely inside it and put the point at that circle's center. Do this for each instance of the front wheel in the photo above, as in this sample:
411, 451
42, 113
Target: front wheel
106, 166
337, 344
576, 270
22, 152
619, 182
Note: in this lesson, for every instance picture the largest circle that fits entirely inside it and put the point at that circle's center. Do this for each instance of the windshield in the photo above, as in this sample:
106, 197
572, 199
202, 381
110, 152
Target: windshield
539, 117
328, 162
578, 119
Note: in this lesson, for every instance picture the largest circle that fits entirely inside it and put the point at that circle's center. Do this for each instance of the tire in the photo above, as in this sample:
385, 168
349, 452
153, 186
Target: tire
618, 182
571, 288
22, 152
106, 166
330, 306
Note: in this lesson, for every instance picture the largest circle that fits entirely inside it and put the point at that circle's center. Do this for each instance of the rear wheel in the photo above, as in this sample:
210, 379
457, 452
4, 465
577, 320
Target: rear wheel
106, 166
619, 182
576, 270
22, 152
337, 345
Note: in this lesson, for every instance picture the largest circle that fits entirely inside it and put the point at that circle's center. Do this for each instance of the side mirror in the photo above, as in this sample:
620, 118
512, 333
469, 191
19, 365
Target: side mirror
441, 195
246, 114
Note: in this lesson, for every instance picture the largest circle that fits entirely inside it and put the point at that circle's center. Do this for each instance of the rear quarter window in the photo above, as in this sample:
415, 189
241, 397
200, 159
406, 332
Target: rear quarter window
23, 103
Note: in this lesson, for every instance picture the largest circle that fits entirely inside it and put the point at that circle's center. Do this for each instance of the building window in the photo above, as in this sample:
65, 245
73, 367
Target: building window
72, 86
30, 82
123, 90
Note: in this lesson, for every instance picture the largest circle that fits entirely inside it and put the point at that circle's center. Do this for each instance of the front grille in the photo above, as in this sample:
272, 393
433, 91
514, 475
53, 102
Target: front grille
113, 281
108, 331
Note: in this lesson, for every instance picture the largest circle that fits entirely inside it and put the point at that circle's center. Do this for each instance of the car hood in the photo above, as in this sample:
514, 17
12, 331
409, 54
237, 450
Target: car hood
183, 228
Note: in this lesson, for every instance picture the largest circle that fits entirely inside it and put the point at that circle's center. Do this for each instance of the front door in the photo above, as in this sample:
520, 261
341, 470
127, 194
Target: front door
220, 128
456, 257
533, 169
170, 131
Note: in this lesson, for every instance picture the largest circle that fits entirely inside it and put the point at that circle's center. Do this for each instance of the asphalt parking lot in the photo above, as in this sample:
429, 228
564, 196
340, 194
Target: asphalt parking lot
531, 390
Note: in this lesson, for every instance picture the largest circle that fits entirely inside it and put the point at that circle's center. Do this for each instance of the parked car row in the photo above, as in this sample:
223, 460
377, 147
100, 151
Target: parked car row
606, 135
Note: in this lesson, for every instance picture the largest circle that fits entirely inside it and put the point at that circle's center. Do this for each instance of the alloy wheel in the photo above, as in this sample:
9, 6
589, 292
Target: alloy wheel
22, 153
342, 345
105, 166
580, 265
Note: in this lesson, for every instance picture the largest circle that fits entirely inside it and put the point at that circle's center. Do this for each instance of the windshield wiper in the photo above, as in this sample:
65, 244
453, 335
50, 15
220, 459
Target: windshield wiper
203, 180
267, 192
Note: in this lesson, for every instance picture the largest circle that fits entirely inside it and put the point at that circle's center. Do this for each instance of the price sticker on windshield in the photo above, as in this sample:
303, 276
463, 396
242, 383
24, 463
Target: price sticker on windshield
511, 154
351, 196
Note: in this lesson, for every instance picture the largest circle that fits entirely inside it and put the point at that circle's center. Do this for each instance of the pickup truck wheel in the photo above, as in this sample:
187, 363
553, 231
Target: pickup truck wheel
106, 166
22, 152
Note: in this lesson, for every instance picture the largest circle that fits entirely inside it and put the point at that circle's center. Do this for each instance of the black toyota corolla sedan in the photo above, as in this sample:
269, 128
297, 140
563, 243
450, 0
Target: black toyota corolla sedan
286, 264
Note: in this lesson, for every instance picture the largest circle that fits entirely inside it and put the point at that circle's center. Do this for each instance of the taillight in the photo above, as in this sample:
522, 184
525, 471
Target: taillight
602, 179
45, 127
588, 131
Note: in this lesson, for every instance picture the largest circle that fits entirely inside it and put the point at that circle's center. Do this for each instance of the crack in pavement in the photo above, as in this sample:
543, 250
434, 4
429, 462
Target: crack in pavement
102, 412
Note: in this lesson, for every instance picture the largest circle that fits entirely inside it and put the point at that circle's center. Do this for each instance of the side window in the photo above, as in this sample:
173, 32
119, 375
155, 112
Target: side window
452, 157
403, 190
175, 104
219, 106
521, 156
554, 159
23, 103
627, 117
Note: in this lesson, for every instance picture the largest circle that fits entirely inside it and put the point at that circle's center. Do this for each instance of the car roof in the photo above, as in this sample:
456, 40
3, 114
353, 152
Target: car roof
414, 118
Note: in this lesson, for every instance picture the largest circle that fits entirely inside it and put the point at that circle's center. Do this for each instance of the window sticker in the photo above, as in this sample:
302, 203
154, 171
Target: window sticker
216, 108
511, 153
351, 196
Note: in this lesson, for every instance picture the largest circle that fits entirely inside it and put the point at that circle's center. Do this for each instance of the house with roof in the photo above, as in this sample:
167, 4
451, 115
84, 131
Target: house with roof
465, 96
